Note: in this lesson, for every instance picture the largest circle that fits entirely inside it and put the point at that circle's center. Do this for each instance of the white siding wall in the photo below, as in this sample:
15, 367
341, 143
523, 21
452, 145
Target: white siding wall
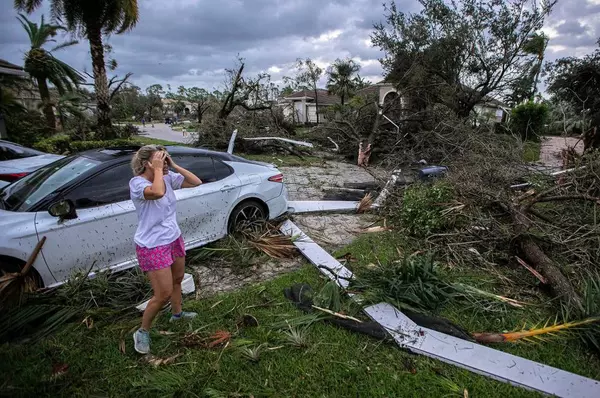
311, 113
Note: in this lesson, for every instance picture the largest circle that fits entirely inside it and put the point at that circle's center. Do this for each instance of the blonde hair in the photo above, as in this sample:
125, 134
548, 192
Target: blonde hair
143, 155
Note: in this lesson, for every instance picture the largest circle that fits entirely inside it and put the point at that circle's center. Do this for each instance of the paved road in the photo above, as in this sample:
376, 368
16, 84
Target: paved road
552, 146
164, 132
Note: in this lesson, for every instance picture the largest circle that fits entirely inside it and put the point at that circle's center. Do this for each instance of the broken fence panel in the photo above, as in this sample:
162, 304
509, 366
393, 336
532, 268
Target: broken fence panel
473, 357
320, 206
318, 256
232, 142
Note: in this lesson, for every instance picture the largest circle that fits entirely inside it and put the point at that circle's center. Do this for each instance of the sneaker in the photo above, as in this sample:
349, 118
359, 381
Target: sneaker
183, 315
141, 341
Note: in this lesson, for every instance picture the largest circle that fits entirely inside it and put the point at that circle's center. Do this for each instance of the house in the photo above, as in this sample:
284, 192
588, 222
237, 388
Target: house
169, 107
16, 81
301, 108
25, 92
490, 110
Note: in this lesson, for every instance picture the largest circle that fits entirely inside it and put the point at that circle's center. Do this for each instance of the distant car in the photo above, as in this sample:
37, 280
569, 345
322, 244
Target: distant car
81, 204
17, 161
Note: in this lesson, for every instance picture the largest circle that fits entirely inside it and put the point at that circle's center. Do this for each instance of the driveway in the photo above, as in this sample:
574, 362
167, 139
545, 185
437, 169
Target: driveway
163, 131
550, 153
332, 231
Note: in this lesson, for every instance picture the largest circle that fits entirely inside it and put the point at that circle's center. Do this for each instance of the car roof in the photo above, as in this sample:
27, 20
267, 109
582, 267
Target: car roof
118, 152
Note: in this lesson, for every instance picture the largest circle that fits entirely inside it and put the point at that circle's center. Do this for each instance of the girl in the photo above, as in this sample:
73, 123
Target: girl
159, 246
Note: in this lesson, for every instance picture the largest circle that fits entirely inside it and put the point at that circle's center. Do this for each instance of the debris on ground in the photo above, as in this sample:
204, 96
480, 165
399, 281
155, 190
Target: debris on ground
422, 340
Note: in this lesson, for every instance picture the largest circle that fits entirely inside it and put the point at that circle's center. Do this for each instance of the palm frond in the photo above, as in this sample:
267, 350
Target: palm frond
365, 203
64, 45
253, 353
412, 282
550, 329
296, 337
28, 5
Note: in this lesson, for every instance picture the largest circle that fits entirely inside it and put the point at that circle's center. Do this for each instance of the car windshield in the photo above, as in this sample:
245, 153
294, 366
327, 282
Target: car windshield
24, 194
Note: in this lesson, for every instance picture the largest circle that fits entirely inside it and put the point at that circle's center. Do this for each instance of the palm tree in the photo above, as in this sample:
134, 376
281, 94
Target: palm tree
43, 66
536, 45
92, 19
340, 80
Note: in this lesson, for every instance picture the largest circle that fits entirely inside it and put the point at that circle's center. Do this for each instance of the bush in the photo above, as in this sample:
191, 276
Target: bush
528, 120
127, 131
80, 146
59, 144
64, 144
25, 127
422, 208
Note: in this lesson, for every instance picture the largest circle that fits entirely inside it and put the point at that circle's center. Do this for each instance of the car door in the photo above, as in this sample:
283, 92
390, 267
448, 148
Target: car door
90, 240
202, 211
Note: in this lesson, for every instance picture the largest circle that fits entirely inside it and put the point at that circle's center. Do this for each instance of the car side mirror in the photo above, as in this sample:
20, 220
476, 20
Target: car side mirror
63, 209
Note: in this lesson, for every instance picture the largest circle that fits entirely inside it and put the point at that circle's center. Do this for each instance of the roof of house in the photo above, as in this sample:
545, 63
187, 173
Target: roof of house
373, 89
7, 68
323, 96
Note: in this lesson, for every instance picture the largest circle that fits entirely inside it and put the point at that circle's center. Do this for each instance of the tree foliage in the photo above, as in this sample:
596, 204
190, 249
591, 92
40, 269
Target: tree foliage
44, 67
342, 78
457, 53
92, 19
252, 94
529, 120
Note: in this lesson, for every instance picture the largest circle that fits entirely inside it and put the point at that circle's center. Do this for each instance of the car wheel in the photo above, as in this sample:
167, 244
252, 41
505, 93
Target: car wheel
247, 215
9, 265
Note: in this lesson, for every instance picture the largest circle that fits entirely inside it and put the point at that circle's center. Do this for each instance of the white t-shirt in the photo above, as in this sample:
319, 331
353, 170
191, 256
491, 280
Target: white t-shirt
157, 219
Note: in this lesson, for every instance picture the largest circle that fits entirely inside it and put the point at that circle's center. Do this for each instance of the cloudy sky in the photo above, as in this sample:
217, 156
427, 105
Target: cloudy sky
190, 42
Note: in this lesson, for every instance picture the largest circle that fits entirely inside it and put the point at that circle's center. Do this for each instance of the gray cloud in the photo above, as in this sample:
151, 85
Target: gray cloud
572, 27
191, 42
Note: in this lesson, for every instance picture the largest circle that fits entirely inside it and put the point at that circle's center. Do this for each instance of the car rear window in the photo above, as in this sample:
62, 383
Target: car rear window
24, 194
10, 151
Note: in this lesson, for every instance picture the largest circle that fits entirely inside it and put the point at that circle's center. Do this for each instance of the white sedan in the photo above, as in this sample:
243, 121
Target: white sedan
81, 205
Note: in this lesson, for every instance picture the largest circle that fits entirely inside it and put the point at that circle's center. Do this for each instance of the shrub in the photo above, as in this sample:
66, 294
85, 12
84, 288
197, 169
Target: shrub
80, 146
25, 127
63, 144
422, 208
529, 120
58, 144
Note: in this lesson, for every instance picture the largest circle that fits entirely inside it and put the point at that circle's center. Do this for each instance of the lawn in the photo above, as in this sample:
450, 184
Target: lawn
531, 151
563, 353
331, 362
156, 141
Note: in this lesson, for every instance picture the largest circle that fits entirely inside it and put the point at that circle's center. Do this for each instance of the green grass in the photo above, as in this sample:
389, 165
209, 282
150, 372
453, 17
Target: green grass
285, 160
566, 354
531, 151
330, 362
334, 363
156, 141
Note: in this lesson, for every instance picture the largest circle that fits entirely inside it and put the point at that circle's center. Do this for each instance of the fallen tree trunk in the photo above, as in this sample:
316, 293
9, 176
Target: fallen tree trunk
558, 283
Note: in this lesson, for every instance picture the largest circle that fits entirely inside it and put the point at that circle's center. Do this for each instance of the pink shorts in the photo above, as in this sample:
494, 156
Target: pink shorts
161, 256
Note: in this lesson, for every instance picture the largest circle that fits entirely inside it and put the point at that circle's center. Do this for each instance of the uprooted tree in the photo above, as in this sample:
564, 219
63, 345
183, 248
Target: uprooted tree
246, 104
252, 94
458, 53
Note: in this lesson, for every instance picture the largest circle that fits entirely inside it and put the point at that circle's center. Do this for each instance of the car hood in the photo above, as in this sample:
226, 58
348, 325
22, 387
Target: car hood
27, 165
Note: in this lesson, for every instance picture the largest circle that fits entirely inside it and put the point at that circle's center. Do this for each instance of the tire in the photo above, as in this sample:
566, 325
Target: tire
245, 215
11, 265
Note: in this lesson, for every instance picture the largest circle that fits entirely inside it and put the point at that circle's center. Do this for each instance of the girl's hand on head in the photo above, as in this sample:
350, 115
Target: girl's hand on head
170, 161
158, 160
